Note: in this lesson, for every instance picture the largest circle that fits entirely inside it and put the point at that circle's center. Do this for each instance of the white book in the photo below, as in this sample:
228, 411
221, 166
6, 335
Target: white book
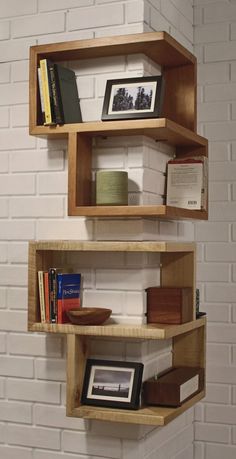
187, 183
41, 296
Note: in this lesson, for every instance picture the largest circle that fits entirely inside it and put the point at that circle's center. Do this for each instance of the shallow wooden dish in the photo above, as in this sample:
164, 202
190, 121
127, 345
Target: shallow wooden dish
88, 316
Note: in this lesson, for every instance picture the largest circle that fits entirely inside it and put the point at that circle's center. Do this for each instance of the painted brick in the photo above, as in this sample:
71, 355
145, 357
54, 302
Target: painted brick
198, 450
126, 279
20, 71
13, 275
224, 211
10, 141
37, 207
119, 30
78, 442
222, 92
14, 8
19, 116
84, 18
219, 191
35, 345
3, 162
213, 111
213, 73
186, 28
55, 416
118, 230
234, 395
62, 4
218, 354
233, 71
213, 272
3, 294
137, 11
185, 7
211, 232
4, 30
220, 12
3, 253
2, 343
38, 25
2, 387
211, 33
222, 292
91, 109
217, 312
224, 333
212, 433
40, 454
24, 230
170, 12
12, 452
4, 117
17, 367
17, 184
17, 253
50, 183
17, 298
3, 207
107, 299
219, 151
50, 369
12, 321
225, 375
16, 50
59, 229
218, 393
15, 412
107, 158
158, 22
39, 391
33, 436
4, 73
36, 160
220, 414
220, 52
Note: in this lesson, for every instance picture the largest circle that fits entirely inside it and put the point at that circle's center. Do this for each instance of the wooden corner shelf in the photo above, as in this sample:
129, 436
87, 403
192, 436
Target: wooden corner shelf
177, 127
177, 268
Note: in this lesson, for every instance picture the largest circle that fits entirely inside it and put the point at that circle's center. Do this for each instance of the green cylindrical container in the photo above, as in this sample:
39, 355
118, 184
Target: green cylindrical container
111, 188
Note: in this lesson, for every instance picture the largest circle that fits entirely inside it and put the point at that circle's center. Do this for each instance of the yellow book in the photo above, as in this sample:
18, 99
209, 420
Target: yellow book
45, 91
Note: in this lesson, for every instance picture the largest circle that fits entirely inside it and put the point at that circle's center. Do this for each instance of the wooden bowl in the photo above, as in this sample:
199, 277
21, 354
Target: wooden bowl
88, 316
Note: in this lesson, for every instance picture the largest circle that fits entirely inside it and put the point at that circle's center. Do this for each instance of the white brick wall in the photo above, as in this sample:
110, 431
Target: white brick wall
215, 42
33, 205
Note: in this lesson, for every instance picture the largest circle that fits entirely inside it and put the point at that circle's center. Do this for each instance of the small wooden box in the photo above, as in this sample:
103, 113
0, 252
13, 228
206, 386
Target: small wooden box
169, 305
173, 387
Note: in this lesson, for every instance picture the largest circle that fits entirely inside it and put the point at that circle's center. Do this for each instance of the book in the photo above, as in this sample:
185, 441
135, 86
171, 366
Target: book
52, 287
46, 296
41, 296
67, 93
41, 95
187, 183
68, 294
47, 92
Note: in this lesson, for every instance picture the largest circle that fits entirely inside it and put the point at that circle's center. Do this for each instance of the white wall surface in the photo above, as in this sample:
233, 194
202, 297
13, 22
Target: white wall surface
33, 205
215, 45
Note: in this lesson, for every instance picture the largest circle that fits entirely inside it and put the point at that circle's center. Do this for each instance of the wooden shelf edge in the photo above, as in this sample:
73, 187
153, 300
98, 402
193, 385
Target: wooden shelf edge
162, 129
149, 331
157, 416
161, 211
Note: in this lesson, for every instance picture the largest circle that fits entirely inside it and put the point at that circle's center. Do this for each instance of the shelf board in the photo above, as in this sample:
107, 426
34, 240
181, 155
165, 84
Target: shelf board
159, 129
164, 212
158, 46
151, 415
149, 331
112, 246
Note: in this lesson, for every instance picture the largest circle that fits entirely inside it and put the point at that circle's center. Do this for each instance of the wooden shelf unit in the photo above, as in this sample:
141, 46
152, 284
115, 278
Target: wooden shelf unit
177, 264
177, 127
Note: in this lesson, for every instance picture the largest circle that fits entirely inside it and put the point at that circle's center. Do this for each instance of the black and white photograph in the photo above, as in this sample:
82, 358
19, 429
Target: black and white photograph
112, 383
133, 98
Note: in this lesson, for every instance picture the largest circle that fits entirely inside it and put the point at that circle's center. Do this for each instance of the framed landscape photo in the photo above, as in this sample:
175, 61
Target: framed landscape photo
112, 383
132, 98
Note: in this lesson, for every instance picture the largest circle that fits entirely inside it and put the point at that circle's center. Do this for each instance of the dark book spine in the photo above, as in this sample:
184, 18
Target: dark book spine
55, 95
49, 64
58, 89
52, 280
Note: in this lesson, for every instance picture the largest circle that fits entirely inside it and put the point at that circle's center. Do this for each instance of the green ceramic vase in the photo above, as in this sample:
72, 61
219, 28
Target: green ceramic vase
111, 188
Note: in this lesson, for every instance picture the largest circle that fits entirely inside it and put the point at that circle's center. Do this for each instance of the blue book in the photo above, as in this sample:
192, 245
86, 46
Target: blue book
68, 294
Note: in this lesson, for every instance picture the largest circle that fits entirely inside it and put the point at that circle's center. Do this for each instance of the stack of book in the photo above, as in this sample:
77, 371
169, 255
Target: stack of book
58, 94
58, 293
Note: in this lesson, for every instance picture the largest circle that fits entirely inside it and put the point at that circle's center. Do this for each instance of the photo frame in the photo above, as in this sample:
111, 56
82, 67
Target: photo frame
132, 98
113, 384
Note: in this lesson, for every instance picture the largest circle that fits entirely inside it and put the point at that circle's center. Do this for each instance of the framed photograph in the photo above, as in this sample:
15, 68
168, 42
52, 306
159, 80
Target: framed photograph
132, 98
112, 383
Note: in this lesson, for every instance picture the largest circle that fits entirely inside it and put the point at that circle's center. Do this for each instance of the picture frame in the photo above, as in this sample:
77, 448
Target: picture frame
133, 98
113, 384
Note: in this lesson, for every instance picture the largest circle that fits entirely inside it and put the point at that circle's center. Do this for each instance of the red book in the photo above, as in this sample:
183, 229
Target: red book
68, 294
